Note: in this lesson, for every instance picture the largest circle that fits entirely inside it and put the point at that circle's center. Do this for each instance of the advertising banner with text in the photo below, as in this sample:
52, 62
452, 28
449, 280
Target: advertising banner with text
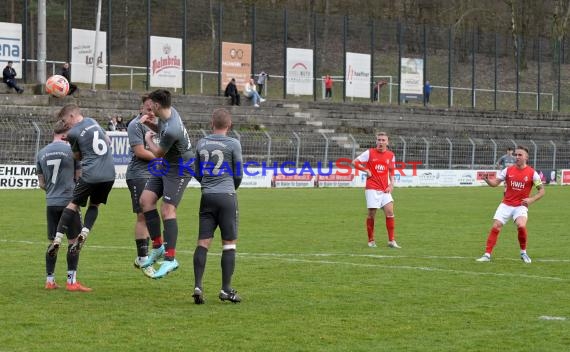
11, 46
82, 47
236, 63
299, 71
357, 75
165, 62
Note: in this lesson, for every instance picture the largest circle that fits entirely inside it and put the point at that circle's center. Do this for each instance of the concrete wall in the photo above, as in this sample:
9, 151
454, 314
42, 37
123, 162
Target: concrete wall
309, 116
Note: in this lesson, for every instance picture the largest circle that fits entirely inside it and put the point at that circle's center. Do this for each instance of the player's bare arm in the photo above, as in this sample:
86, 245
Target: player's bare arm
142, 153
153, 147
42, 182
358, 165
77, 155
537, 196
491, 182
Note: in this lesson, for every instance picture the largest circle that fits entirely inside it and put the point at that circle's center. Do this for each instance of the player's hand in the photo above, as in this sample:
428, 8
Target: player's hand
147, 119
526, 202
388, 189
149, 135
368, 173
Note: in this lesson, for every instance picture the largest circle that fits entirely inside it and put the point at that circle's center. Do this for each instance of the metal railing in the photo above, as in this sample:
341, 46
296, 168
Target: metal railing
21, 139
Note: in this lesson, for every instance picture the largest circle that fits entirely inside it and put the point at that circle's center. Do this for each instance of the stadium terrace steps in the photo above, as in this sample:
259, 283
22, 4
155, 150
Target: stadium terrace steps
308, 116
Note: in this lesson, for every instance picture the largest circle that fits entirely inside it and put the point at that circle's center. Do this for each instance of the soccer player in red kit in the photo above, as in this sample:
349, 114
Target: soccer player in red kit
378, 163
519, 180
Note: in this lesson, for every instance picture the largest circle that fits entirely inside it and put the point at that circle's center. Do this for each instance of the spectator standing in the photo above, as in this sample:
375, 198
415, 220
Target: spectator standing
427, 92
9, 77
261, 79
328, 87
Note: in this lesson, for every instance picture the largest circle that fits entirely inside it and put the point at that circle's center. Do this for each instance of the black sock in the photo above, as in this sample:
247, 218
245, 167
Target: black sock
67, 217
72, 259
170, 234
50, 263
200, 256
152, 223
91, 216
228, 264
142, 247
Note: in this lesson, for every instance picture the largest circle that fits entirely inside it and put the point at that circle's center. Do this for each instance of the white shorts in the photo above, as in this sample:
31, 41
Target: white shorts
504, 212
377, 199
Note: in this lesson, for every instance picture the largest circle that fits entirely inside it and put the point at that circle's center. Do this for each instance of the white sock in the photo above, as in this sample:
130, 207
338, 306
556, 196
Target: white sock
85, 231
71, 276
523, 251
58, 237
50, 279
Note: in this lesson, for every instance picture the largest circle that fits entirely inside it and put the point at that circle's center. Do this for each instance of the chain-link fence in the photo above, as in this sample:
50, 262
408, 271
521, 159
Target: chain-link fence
21, 139
466, 67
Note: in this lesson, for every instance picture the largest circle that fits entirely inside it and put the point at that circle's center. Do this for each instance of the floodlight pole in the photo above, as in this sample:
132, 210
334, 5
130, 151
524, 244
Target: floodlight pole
97, 29
41, 66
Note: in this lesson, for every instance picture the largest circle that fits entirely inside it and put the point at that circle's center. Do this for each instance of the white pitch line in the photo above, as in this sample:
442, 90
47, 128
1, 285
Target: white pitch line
287, 257
408, 267
548, 317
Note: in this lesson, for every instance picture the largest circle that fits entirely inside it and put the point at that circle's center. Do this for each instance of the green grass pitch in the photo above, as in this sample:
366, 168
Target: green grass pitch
307, 279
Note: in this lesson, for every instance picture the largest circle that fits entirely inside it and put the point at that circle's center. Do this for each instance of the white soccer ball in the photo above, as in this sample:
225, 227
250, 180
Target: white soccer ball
57, 86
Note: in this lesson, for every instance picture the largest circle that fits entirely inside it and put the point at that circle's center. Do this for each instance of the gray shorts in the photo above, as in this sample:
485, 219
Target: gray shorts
136, 186
53, 213
170, 188
218, 209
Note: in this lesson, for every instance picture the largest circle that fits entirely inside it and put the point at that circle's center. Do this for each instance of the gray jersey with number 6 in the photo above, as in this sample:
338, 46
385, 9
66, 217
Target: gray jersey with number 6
88, 138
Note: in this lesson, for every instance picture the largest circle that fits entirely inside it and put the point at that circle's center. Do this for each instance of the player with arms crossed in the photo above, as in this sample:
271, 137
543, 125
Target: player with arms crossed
57, 171
378, 163
168, 181
519, 180
136, 176
218, 169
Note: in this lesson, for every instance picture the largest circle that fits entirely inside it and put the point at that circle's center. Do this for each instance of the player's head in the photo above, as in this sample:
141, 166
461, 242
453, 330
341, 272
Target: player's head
70, 114
509, 150
221, 119
146, 105
521, 155
162, 98
10, 63
59, 129
66, 65
382, 141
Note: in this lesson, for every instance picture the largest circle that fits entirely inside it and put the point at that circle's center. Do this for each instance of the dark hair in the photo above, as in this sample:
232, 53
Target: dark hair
522, 148
10, 62
144, 98
509, 148
221, 118
162, 97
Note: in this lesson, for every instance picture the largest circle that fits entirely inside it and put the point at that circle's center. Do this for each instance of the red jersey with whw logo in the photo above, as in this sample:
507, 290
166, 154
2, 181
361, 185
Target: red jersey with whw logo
381, 164
519, 184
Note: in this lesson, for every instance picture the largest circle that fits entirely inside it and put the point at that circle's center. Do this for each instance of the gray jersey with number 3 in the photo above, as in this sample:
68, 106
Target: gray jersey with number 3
88, 138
